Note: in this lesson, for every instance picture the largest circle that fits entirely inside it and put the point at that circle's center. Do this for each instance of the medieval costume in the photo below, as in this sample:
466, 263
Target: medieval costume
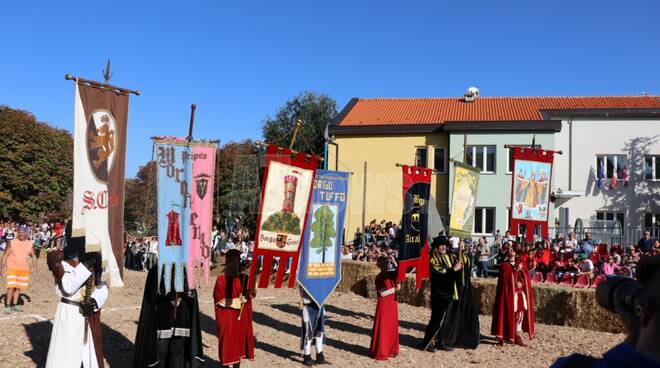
443, 291
513, 310
313, 327
168, 334
233, 313
385, 335
460, 327
76, 337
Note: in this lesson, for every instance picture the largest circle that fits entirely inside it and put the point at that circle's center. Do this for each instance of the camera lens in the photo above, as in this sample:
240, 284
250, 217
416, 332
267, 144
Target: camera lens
627, 292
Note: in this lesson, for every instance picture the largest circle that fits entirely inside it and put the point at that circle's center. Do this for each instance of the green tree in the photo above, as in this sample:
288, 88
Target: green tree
36, 168
316, 111
238, 183
324, 230
141, 202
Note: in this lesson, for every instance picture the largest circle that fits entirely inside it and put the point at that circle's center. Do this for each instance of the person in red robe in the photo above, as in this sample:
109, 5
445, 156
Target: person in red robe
513, 310
233, 313
385, 335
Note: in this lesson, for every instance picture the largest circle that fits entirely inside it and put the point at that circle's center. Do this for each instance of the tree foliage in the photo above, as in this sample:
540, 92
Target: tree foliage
324, 230
238, 182
36, 168
316, 111
141, 202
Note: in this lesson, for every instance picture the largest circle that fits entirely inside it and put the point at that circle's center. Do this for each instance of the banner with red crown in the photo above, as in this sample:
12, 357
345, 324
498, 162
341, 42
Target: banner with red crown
530, 191
285, 197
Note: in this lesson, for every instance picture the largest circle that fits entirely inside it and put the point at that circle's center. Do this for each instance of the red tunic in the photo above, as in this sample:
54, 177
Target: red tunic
504, 316
385, 335
235, 337
173, 230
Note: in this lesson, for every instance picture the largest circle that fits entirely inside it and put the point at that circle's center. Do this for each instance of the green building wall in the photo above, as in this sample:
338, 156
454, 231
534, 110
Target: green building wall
495, 189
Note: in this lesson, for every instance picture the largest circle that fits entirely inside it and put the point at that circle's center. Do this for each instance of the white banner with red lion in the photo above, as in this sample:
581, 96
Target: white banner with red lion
100, 121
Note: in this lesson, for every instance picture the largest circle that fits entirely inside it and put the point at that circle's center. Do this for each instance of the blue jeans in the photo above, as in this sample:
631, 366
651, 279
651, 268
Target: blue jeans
482, 269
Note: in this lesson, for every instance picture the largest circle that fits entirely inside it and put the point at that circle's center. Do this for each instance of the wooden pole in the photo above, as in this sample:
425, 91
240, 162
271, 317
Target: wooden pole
100, 85
464, 148
192, 121
364, 203
295, 132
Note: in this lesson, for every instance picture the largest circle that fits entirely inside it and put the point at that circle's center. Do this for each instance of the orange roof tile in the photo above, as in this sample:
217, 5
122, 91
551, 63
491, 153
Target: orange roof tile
416, 111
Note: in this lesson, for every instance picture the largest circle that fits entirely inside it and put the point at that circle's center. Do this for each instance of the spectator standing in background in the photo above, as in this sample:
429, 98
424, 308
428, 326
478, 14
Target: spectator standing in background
484, 256
645, 244
15, 265
153, 251
570, 244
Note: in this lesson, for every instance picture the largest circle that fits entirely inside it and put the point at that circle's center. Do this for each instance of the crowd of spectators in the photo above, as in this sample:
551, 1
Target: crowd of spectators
570, 262
140, 253
39, 234
557, 256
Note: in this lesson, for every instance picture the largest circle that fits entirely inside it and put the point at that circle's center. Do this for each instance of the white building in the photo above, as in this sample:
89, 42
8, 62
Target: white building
619, 138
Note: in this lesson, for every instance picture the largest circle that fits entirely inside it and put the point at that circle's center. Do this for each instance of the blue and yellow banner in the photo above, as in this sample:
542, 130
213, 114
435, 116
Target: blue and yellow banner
320, 263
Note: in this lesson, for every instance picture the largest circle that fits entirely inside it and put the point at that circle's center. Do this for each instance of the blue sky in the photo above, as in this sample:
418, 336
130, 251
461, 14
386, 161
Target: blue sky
240, 60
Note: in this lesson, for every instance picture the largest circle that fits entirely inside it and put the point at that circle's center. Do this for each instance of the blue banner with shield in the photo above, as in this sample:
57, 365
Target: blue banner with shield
320, 257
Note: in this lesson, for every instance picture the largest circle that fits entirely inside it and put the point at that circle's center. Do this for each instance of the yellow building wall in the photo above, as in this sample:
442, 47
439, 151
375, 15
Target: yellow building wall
384, 196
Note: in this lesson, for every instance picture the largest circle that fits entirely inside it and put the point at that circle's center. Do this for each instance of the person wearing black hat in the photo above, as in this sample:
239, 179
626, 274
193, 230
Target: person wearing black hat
460, 326
444, 275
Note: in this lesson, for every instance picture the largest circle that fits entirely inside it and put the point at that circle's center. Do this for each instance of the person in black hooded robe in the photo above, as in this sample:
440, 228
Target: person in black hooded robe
460, 328
168, 334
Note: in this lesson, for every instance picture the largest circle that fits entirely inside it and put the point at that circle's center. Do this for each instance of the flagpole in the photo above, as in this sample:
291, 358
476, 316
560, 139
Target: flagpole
100, 85
193, 107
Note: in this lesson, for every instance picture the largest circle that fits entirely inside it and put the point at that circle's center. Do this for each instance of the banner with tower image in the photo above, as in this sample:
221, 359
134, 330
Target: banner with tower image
320, 267
286, 190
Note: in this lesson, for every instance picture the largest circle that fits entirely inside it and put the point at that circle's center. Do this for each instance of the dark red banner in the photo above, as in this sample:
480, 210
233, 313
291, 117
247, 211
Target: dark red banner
413, 247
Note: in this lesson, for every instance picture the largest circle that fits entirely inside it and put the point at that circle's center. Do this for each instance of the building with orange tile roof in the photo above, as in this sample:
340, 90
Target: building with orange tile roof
371, 135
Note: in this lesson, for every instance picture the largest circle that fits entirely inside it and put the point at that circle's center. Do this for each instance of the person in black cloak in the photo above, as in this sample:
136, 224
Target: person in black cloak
444, 274
460, 328
168, 334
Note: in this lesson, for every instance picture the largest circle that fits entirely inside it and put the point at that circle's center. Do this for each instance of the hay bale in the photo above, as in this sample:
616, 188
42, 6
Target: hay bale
358, 277
556, 305
553, 304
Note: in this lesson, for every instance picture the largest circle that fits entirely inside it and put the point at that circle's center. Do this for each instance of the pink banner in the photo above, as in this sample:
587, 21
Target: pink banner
201, 211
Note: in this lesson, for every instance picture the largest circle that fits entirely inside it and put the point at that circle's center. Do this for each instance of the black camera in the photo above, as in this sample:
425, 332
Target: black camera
626, 291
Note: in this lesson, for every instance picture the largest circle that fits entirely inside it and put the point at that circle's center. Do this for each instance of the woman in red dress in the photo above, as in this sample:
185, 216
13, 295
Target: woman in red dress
385, 335
233, 313
513, 310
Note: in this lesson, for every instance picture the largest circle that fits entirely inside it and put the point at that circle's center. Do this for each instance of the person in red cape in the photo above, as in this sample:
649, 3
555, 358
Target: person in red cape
233, 313
513, 310
385, 335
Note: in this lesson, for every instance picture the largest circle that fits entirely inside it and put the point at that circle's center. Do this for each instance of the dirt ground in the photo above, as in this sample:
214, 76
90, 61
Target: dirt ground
24, 337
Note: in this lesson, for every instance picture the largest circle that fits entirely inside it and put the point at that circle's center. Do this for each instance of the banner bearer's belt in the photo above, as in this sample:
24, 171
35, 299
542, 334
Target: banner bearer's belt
70, 302
235, 303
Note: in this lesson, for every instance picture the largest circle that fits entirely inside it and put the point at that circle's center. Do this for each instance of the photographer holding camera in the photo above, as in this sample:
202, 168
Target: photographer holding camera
638, 304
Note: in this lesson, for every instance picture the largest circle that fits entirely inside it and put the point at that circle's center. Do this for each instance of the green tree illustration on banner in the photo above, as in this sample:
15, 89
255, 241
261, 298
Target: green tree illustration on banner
324, 230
